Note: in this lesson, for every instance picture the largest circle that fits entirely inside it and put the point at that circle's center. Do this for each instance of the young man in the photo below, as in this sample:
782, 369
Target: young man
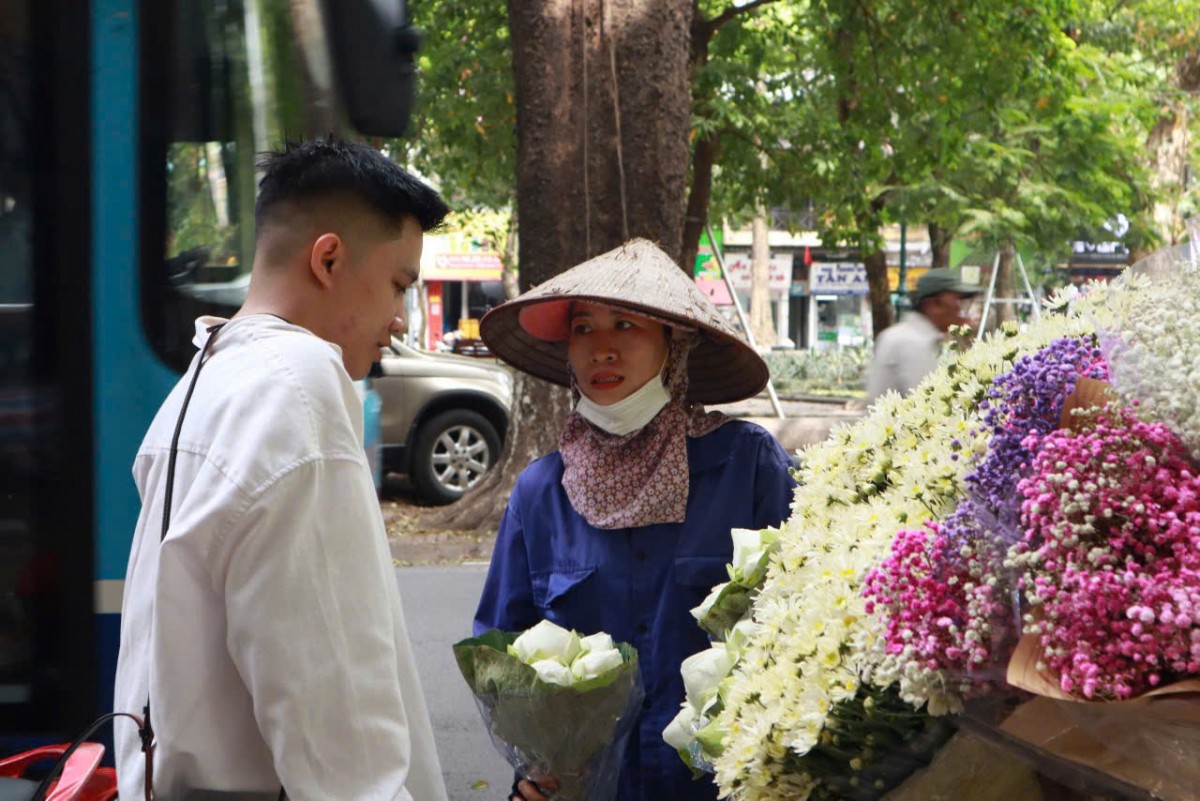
909, 350
264, 625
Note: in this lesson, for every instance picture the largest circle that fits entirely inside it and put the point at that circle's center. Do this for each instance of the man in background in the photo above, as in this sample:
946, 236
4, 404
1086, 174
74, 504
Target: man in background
909, 350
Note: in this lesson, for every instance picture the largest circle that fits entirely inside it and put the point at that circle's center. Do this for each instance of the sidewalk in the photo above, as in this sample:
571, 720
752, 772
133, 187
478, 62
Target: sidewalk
806, 421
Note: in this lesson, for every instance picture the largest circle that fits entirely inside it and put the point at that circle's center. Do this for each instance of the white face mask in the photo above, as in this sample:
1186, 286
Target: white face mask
629, 414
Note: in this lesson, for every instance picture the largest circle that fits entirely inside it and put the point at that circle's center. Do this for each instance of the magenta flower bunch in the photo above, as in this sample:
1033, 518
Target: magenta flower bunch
1110, 559
938, 598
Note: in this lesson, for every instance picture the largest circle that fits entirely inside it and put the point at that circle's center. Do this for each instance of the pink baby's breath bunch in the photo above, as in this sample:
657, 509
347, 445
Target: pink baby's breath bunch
1111, 557
937, 595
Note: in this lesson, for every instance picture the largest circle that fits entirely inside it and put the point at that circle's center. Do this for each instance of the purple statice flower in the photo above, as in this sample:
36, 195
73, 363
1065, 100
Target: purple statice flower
1027, 400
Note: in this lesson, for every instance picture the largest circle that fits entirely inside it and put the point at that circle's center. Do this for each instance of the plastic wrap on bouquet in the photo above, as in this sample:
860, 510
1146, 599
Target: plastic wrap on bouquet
574, 734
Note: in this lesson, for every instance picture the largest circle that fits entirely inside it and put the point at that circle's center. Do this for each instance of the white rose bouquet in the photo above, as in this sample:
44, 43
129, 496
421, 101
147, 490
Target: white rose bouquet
557, 705
730, 602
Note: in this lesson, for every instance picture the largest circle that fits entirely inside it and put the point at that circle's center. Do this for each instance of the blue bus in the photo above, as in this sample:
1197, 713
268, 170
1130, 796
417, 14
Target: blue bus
128, 138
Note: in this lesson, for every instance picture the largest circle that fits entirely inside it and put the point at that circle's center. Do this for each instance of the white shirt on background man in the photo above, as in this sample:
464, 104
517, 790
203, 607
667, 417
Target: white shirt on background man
904, 354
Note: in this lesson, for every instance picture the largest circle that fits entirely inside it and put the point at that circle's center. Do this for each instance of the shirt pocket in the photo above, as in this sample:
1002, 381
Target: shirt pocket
560, 594
697, 575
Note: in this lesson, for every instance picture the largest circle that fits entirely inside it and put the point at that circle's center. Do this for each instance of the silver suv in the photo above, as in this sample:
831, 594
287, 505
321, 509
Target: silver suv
443, 418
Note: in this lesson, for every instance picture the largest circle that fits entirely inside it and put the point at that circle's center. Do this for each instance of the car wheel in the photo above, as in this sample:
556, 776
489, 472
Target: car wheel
451, 454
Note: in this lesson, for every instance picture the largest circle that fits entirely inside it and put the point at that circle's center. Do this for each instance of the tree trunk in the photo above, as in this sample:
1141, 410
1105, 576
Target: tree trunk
939, 243
603, 113
699, 195
761, 324
1005, 311
877, 284
1169, 145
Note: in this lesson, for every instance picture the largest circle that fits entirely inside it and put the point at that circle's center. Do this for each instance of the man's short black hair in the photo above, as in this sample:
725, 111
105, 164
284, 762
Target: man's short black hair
322, 168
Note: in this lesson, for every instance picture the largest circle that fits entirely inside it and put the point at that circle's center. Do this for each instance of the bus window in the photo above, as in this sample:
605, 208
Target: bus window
45, 451
236, 78
18, 395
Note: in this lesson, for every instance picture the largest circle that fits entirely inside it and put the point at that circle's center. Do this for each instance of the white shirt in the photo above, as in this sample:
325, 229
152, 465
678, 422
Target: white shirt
904, 354
268, 627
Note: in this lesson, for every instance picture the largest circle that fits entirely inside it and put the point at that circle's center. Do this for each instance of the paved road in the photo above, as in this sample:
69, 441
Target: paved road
438, 605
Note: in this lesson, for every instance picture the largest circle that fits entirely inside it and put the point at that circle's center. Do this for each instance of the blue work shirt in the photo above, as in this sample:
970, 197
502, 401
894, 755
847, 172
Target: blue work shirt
637, 584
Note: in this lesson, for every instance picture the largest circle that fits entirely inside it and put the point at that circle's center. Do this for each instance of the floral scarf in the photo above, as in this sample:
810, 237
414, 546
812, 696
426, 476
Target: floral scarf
641, 478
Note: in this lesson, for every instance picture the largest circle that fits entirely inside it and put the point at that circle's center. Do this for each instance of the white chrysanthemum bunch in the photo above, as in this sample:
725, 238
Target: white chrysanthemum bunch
903, 464
1154, 360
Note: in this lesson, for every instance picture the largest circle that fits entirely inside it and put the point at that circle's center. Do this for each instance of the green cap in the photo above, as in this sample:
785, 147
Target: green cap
941, 280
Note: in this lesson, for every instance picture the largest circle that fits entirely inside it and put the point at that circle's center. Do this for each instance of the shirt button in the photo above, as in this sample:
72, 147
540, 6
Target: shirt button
642, 628
640, 556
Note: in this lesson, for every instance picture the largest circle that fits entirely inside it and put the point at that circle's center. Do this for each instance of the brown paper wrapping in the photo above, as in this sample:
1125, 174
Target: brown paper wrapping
970, 767
1151, 741
1089, 394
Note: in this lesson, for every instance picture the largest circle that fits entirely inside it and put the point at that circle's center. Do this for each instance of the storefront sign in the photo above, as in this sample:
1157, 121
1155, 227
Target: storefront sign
740, 269
481, 266
838, 278
706, 261
716, 290
1105, 253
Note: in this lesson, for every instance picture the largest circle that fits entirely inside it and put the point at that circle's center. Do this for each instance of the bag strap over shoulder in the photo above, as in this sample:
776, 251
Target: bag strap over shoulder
187, 399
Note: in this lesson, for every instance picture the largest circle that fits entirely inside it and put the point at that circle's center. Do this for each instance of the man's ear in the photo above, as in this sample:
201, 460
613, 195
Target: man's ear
327, 255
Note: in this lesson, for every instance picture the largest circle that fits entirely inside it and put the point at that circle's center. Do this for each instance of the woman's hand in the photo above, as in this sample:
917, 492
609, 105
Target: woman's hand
528, 791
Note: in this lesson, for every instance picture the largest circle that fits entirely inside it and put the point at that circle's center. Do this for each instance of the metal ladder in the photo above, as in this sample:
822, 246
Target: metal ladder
990, 297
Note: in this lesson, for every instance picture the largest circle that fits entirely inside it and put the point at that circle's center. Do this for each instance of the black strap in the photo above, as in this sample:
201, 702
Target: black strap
187, 398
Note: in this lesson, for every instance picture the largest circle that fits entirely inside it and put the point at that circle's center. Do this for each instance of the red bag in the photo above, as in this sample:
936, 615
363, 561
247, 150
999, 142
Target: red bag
76, 776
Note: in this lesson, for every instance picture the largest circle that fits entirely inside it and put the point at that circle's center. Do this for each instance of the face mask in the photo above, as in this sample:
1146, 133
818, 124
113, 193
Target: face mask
627, 415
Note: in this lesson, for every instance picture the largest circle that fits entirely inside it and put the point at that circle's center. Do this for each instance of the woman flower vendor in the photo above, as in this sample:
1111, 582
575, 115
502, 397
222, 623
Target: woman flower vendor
627, 525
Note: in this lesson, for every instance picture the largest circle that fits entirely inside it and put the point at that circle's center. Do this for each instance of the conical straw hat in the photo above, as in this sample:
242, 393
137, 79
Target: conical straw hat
530, 332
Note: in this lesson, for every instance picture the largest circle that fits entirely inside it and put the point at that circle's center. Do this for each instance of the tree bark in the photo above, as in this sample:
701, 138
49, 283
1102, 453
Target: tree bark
939, 242
761, 323
1005, 311
1168, 145
696, 217
603, 113
877, 284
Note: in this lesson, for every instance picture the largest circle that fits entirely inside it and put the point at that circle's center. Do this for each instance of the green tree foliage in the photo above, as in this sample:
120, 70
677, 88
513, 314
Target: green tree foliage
192, 217
465, 127
1012, 122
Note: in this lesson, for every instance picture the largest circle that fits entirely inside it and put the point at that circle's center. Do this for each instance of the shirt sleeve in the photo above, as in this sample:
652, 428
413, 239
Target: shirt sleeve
310, 628
507, 599
773, 484
881, 372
